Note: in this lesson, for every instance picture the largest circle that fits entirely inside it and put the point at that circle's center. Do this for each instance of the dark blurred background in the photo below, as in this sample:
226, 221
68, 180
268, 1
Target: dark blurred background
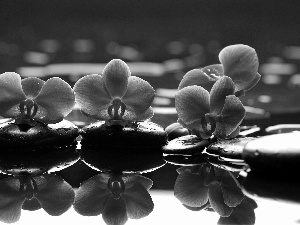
160, 40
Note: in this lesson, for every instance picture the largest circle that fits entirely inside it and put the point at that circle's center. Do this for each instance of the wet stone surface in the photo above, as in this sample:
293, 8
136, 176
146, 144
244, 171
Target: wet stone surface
123, 149
188, 144
275, 155
229, 149
37, 149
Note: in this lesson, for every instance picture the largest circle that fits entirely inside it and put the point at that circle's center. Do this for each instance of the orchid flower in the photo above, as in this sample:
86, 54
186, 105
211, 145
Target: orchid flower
217, 113
239, 62
47, 191
115, 96
32, 99
198, 186
116, 197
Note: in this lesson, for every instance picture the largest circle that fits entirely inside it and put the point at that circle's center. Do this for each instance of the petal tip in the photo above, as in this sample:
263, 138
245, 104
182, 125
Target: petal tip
116, 66
116, 74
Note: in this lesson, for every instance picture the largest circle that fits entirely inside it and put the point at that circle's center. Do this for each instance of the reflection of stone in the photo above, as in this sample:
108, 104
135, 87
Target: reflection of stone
116, 197
47, 191
271, 187
123, 149
227, 154
37, 149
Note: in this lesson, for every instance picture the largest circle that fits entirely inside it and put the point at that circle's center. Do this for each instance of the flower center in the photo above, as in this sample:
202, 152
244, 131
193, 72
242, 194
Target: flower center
28, 187
116, 110
28, 109
116, 186
208, 124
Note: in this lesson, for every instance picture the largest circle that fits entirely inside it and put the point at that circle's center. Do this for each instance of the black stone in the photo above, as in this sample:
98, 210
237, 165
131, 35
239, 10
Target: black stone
188, 145
119, 149
274, 155
37, 149
230, 149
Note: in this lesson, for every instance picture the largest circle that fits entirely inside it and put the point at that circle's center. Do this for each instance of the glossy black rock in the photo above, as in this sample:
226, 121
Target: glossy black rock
37, 149
123, 149
274, 155
230, 149
188, 145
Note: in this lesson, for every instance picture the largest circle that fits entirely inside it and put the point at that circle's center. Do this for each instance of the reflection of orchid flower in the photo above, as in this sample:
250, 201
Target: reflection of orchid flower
115, 95
239, 62
32, 99
219, 112
116, 197
242, 214
48, 191
196, 186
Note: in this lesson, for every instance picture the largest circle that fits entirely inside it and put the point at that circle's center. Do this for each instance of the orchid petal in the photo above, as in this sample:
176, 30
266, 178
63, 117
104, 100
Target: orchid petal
197, 77
134, 179
11, 201
92, 196
92, 96
203, 170
197, 208
11, 94
115, 211
57, 196
221, 174
192, 103
102, 179
210, 176
235, 133
101, 115
139, 203
253, 82
184, 168
232, 194
242, 214
216, 200
139, 95
214, 71
116, 74
130, 114
32, 86
223, 87
55, 100
31, 205
146, 115
240, 62
190, 190
231, 116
